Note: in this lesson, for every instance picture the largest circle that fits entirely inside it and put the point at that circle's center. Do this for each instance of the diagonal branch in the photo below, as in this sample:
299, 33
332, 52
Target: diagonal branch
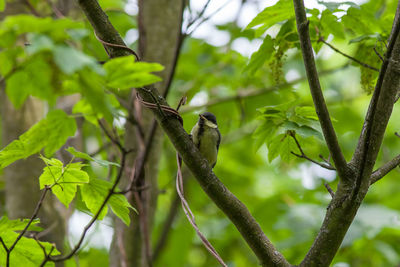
198, 165
365, 65
385, 169
316, 92
304, 156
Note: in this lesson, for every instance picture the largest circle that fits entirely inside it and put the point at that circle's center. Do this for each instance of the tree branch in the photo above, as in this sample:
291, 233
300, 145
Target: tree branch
304, 156
198, 165
349, 196
327, 186
316, 92
385, 169
112, 191
365, 65
33, 217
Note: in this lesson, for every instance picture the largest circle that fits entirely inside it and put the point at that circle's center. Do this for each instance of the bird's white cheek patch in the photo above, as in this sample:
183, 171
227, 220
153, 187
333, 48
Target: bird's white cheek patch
211, 125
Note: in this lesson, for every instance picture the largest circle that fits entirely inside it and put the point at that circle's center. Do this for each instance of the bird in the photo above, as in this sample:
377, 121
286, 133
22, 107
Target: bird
206, 137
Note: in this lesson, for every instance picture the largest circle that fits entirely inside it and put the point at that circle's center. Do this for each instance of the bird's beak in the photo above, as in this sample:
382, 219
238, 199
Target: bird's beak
202, 117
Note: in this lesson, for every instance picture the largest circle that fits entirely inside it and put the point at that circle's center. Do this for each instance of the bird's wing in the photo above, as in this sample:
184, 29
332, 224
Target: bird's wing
219, 140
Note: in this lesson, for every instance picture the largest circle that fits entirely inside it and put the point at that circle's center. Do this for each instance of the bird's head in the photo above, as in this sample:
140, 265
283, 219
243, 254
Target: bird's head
208, 119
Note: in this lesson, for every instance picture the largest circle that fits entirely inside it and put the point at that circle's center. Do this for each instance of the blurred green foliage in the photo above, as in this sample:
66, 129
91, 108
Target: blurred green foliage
284, 193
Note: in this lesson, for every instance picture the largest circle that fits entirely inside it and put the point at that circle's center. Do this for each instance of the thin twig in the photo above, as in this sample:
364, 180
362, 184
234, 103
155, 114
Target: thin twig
199, 15
190, 216
167, 226
321, 39
47, 257
4, 244
31, 8
94, 218
195, 27
56, 11
329, 189
378, 54
385, 169
304, 156
113, 139
33, 217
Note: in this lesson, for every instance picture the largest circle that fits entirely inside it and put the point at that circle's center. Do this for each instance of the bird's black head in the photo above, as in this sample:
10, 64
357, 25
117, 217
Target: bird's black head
210, 117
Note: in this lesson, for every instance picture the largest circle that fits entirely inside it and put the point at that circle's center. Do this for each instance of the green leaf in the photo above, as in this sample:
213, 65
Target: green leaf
26, 82
261, 56
39, 43
50, 133
306, 112
83, 155
63, 180
27, 252
2, 4
18, 225
92, 87
333, 6
288, 145
331, 24
13, 26
70, 60
304, 130
95, 192
120, 206
281, 11
18, 88
360, 21
374, 37
274, 146
124, 73
263, 133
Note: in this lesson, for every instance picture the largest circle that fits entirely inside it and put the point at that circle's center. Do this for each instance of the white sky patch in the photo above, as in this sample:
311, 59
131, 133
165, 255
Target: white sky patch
199, 99
131, 36
310, 174
291, 75
131, 7
246, 47
99, 235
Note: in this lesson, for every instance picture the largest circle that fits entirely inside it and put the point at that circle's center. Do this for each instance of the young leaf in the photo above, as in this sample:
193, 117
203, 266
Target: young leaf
94, 193
27, 252
50, 133
274, 146
260, 57
281, 11
63, 180
83, 155
333, 6
124, 73
26, 82
306, 112
70, 60
18, 225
